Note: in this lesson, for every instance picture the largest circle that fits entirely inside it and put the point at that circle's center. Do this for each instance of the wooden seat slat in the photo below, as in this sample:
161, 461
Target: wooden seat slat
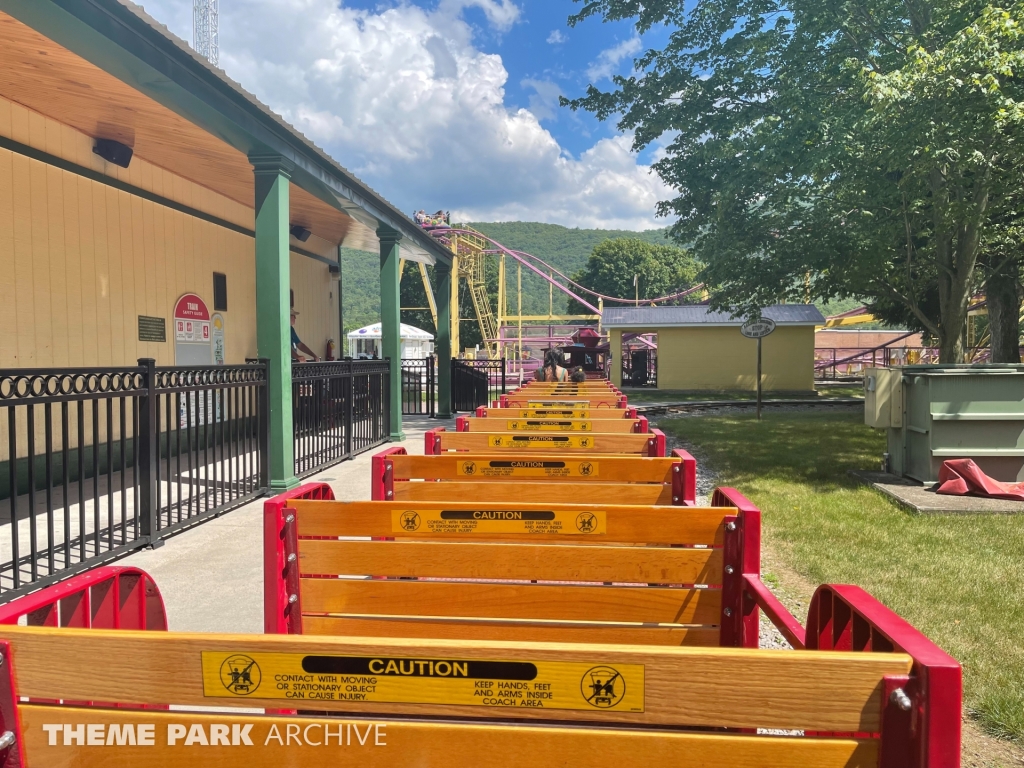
637, 493
470, 629
426, 744
498, 422
724, 687
526, 443
624, 523
512, 601
605, 414
547, 562
615, 469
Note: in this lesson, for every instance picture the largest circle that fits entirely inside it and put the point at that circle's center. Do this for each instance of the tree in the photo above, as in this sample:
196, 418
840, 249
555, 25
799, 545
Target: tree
859, 141
659, 269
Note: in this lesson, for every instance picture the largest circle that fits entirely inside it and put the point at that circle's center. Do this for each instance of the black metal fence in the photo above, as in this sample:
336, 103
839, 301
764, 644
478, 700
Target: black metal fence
476, 383
100, 462
419, 387
339, 409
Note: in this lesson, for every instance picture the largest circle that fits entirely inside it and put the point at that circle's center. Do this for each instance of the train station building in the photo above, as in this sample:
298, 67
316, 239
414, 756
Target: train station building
699, 349
152, 208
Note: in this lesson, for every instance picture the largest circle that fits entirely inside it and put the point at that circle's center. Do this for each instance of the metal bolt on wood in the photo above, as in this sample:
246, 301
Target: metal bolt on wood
290, 519
729, 569
900, 699
7, 740
293, 598
730, 526
291, 557
727, 611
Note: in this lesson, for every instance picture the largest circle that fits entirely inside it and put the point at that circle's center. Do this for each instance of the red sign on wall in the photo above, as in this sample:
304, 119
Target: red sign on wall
191, 320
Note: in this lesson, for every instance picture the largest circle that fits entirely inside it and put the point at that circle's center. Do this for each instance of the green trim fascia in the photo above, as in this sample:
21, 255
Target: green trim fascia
120, 40
93, 175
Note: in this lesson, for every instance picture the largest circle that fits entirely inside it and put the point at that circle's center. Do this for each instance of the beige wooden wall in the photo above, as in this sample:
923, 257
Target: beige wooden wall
80, 261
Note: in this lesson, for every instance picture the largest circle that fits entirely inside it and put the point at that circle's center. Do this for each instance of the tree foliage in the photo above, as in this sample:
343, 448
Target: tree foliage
659, 270
862, 143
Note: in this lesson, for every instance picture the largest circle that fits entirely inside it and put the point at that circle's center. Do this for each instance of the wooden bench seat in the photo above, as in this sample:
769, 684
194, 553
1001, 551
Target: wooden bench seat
552, 572
496, 421
440, 440
396, 476
553, 400
581, 412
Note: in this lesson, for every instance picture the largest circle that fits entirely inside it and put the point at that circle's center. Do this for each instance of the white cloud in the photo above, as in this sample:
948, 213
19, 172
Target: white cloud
501, 14
556, 37
608, 60
544, 99
403, 98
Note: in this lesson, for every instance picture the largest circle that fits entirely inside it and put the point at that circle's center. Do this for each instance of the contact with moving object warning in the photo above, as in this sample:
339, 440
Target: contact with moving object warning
443, 681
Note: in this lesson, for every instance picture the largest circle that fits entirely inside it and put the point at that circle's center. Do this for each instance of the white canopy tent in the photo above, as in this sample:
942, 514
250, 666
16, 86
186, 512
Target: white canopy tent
364, 343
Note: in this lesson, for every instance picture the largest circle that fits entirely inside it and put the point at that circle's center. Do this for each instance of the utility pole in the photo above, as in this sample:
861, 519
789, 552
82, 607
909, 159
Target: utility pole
205, 35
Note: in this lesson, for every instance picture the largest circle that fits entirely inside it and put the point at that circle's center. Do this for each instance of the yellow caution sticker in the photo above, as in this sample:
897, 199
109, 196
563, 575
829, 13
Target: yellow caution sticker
571, 522
546, 442
549, 425
549, 413
556, 403
528, 468
496, 684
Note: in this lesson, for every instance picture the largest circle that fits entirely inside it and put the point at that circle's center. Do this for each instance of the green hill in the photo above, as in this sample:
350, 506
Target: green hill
563, 248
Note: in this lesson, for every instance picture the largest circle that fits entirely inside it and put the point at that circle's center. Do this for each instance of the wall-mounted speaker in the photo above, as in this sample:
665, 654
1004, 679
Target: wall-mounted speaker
300, 233
113, 152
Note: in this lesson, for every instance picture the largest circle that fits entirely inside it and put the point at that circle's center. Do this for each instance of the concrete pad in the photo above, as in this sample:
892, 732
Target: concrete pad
922, 499
211, 576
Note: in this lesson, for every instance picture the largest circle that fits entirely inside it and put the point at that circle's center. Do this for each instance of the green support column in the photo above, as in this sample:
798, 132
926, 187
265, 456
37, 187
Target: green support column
391, 321
273, 332
443, 339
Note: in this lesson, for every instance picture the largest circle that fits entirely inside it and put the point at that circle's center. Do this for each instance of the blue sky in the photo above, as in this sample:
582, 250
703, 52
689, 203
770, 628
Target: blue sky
448, 103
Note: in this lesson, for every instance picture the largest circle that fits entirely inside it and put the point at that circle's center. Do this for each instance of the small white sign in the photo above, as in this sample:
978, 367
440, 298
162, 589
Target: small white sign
758, 329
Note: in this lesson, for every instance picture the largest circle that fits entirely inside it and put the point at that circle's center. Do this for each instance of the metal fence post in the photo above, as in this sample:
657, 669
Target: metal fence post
386, 379
149, 523
502, 377
264, 424
350, 409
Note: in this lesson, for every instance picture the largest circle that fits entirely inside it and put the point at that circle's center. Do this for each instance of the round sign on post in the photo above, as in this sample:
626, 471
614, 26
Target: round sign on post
758, 329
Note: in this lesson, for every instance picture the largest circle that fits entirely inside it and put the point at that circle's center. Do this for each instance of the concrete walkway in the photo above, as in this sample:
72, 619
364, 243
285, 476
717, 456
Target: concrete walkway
211, 576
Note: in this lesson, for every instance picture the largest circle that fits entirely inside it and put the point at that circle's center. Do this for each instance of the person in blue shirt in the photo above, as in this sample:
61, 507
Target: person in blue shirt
297, 345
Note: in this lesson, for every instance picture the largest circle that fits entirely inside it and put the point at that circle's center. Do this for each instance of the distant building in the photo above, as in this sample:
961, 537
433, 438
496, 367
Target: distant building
694, 348
364, 343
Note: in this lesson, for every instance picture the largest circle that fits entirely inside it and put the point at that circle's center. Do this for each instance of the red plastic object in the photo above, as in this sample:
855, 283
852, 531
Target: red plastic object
109, 597
282, 614
461, 424
846, 618
382, 474
962, 477
684, 479
741, 553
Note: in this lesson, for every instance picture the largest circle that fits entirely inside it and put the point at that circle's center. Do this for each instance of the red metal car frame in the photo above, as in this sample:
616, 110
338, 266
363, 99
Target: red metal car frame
920, 711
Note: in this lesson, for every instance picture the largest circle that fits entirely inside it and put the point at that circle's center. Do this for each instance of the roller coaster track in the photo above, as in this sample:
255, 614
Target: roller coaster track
472, 249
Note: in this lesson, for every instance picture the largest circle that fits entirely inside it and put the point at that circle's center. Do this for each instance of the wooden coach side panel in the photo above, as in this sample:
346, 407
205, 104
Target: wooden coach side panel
312, 742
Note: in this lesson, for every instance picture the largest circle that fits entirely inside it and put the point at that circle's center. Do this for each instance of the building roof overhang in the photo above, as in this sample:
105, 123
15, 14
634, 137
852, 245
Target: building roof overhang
183, 114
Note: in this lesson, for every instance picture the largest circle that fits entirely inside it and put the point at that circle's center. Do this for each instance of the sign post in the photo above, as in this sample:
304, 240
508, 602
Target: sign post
758, 329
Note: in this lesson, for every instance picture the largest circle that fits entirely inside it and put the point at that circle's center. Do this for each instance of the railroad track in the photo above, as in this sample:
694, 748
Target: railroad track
703, 405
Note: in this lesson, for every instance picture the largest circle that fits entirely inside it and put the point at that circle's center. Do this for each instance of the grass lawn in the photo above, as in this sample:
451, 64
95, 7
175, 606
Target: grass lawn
959, 579
640, 395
